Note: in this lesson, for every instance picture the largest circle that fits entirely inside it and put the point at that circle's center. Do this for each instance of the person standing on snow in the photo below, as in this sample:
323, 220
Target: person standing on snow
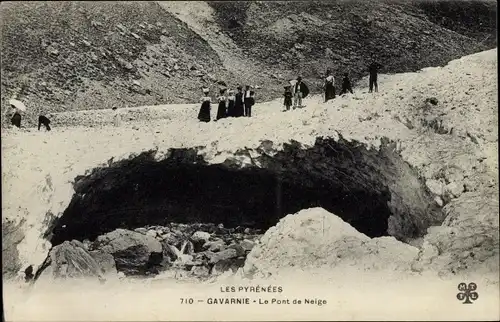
239, 105
222, 108
117, 117
16, 118
346, 85
204, 113
247, 100
18, 108
287, 102
329, 86
300, 92
230, 103
373, 69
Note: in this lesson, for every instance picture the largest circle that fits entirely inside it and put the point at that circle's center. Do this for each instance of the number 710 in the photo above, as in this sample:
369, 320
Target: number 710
187, 301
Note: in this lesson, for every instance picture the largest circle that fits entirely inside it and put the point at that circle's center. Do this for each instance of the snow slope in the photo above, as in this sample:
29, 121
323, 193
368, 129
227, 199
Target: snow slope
38, 167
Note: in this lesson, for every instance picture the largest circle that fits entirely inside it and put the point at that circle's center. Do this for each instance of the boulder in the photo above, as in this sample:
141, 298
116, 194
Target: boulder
170, 252
200, 271
174, 238
134, 253
151, 233
200, 236
87, 244
214, 246
223, 255
240, 251
435, 186
452, 173
160, 230
78, 243
106, 262
199, 239
187, 248
141, 230
454, 189
439, 201
121, 239
72, 260
247, 245
204, 256
228, 265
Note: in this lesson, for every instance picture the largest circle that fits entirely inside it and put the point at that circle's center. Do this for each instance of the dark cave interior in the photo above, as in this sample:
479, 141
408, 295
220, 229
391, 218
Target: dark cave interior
183, 188
156, 193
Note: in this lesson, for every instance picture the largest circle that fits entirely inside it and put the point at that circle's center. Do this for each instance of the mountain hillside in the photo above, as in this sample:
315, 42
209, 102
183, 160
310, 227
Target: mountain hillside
72, 55
307, 37
60, 56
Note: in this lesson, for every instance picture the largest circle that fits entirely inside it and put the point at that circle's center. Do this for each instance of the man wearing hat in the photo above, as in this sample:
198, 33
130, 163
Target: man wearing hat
248, 101
300, 92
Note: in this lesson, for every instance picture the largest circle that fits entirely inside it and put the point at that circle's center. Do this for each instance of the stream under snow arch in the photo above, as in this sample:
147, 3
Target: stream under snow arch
374, 190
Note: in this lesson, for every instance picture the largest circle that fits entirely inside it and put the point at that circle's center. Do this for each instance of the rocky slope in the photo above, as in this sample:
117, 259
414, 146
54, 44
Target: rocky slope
183, 251
98, 55
60, 56
458, 17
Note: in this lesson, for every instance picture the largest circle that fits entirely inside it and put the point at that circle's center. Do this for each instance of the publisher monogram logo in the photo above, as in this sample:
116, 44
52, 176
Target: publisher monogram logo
467, 293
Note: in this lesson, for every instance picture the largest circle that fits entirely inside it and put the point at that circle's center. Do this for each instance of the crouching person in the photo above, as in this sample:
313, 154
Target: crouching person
43, 120
346, 85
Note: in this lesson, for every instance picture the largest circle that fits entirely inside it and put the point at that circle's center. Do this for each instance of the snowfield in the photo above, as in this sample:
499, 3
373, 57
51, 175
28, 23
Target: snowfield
453, 145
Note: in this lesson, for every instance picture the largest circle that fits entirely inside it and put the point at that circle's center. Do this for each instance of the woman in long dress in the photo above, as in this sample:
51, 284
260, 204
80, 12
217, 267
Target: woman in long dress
329, 86
230, 103
204, 114
239, 108
221, 110
287, 102
16, 118
17, 108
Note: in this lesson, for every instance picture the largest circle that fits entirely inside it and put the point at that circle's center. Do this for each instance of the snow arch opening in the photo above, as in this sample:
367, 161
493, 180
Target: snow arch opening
373, 190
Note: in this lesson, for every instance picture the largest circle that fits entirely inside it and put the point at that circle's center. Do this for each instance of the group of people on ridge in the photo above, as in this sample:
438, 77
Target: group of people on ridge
18, 108
329, 85
240, 104
297, 90
229, 105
